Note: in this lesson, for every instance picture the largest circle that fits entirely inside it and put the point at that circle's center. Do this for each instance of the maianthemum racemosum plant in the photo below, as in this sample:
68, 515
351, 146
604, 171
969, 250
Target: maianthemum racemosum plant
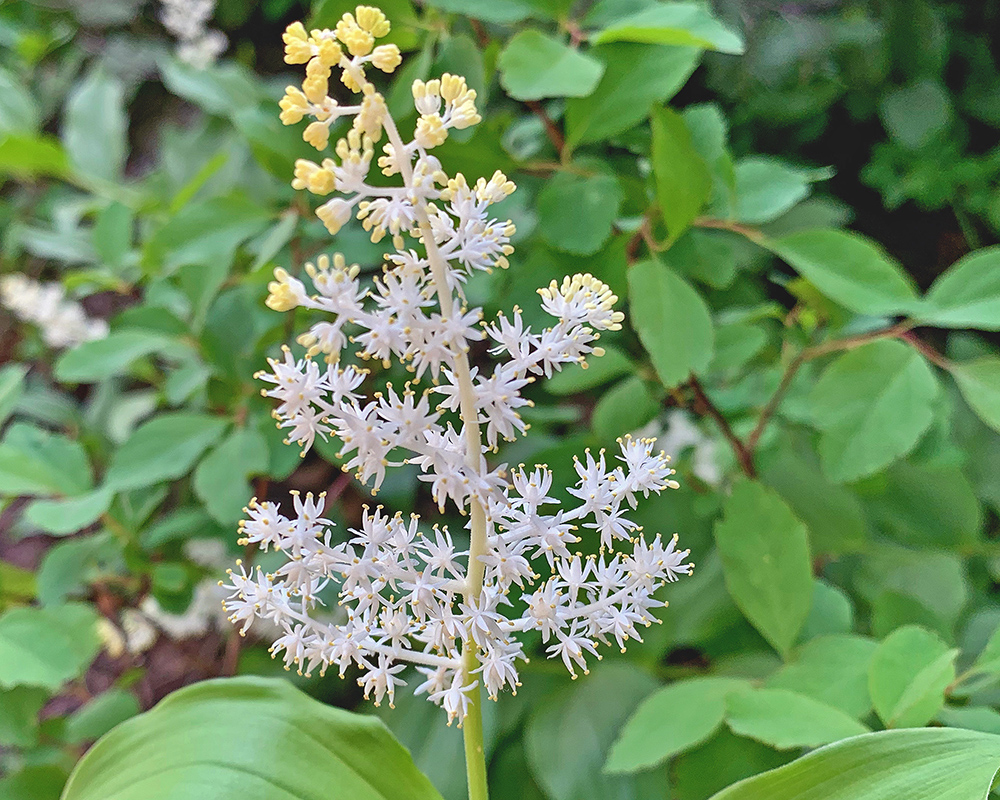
408, 595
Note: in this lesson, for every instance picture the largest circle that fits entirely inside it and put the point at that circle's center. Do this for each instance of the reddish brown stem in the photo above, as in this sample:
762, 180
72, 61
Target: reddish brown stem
705, 406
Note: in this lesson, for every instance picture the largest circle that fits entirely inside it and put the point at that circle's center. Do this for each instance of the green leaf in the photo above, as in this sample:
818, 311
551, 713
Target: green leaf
95, 718
687, 24
568, 767
765, 557
850, 269
672, 321
967, 295
786, 719
36, 462
670, 721
872, 405
831, 612
16, 584
221, 478
914, 115
831, 669
225, 88
71, 514
683, 183
979, 382
18, 110
95, 127
973, 718
636, 77
11, 388
767, 187
720, 761
162, 449
19, 709
101, 358
46, 647
29, 157
199, 737
908, 675
112, 233
533, 66
596, 371
624, 408
922, 764
576, 212
502, 11
33, 783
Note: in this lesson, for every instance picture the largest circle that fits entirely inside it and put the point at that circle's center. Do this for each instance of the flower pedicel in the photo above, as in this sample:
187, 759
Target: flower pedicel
410, 595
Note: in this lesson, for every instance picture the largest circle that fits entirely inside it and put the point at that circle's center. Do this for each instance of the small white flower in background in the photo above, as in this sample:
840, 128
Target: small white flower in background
409, 594
62, 322
676, 433
188, 21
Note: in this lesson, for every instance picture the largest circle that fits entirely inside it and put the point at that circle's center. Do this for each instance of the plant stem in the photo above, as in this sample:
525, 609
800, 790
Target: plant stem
475, 754
743, 455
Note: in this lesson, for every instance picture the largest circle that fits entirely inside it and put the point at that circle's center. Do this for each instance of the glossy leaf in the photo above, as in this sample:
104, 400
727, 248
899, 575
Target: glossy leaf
923, 764
967, 295
872, 405
908, 675
672, 321
533, 66
46, 647
831, 669
198, 739
979, 382
765, 556
686, 24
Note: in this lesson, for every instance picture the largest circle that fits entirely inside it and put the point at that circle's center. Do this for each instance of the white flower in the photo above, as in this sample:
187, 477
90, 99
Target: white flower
187, 20
409, 595
61, 322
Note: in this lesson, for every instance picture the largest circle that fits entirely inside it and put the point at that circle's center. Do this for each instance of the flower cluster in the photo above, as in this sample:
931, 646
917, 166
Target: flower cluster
61, 322
406, 594
188, 21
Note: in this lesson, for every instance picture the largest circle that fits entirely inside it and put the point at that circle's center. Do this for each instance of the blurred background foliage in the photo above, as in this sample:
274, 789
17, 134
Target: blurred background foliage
835, 429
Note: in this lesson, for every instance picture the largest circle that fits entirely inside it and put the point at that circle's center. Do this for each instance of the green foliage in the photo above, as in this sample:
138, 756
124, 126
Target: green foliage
820, 360
200, 736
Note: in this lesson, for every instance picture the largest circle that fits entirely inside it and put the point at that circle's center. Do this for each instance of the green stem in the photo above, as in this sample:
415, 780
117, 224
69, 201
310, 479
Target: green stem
472, 733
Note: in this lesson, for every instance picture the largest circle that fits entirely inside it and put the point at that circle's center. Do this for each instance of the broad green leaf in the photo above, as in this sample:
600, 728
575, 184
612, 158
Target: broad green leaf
672, 321
533, 66
223, 88
112, 233
735, 345
221, 478
721, 760
19, 709
36, 462
683, 183
576, 212
704, 255
70, 566
710, 133
95, 126
568, 737
831, 612
872, 405
690, 24
767, 187
670, 721
786, 719
967, 295
28, 157
979, 382
624, 408
636, 77
46, 647
596, 371
831, 669
162, 449
11, 388
95, 718
198, 740
908, 675
70, 514
765, 556
849, 269
101, 358
921, 764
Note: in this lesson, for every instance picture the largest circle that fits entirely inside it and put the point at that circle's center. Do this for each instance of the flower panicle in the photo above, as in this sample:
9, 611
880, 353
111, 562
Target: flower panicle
443, 602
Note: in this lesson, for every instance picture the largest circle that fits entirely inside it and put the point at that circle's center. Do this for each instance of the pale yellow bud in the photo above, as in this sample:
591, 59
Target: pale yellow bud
334, 214
293, 106
372, 20
386, 57
359, 42
317, 134
297, 48
371, 116
282, 295
430, 131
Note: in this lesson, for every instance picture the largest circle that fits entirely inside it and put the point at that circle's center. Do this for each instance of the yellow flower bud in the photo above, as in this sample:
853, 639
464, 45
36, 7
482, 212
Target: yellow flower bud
430, 131
318, 180
293, 106
334, 214
317, 134
359, 42
281, 293
373, 112
329, 53
386, 57
297, 48
372, 19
